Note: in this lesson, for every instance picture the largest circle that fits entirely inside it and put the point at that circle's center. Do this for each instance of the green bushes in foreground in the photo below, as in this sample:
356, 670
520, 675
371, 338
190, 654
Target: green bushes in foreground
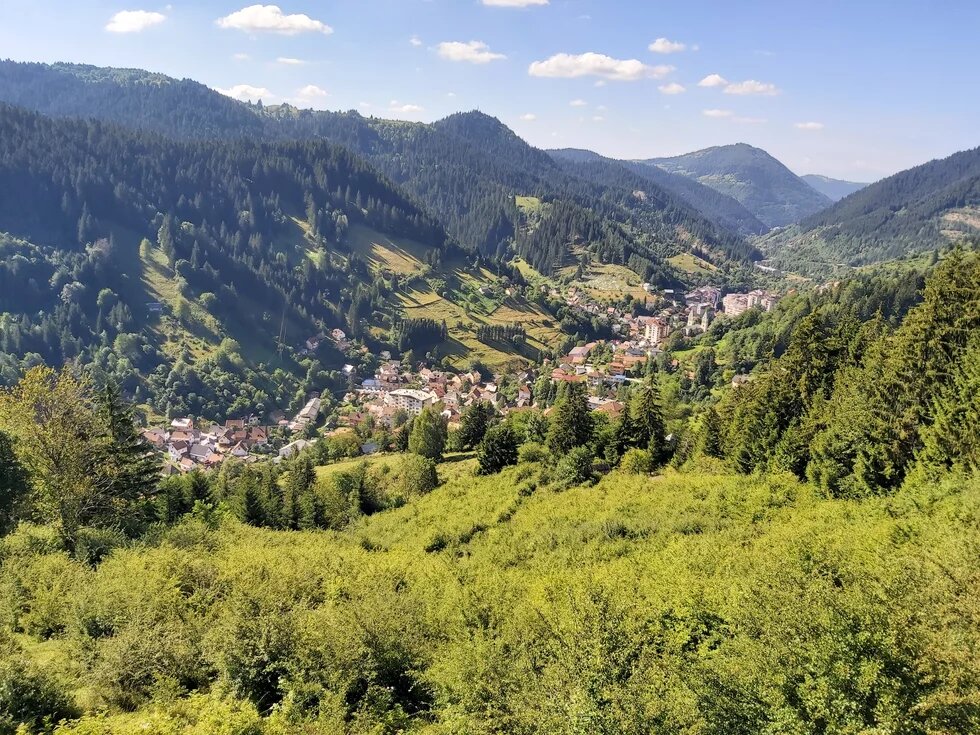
677, 604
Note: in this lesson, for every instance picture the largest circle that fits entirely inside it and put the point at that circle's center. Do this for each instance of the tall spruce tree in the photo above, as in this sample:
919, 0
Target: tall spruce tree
647, 417
571, 422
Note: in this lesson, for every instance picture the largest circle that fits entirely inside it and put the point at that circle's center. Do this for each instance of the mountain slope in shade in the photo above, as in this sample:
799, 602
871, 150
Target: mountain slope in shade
916, 210
835, 189
721, 209
763, 185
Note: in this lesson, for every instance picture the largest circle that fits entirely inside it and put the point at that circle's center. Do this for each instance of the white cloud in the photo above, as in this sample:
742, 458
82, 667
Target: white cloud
288, 61
311, 91
570, 66
246, 92
514, 3
450, 94
271, 19
529, 117
473, 52
713, 80
133, 21
666, 46
716, 113
578, 103
809, 125
751, 86
399, 108
672, 88
415, 41
601, 83
598, 118
240, 57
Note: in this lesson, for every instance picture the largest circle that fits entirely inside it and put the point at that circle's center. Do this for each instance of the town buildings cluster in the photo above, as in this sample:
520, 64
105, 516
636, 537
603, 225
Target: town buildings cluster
394, 393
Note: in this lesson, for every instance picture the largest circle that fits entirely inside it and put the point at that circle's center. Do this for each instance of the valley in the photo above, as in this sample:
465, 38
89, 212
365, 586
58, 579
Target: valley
331, 402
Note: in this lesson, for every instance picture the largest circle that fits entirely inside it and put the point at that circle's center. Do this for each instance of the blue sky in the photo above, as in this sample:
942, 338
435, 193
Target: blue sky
856, 89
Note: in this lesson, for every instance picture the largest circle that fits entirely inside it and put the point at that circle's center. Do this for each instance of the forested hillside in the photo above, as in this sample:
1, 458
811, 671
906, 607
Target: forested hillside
465, 170
719, 208
915, 210
763, 185
128, 249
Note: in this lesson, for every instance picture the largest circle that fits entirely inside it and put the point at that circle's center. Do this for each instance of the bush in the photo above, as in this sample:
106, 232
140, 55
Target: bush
531, 452
637, 462
418, 475
575, 468
94, 544
28, 695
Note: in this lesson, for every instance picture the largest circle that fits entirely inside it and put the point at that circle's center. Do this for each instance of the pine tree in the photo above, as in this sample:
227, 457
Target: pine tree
711, 433
647, 417
497, 450
571, 422
129, 470
474, 423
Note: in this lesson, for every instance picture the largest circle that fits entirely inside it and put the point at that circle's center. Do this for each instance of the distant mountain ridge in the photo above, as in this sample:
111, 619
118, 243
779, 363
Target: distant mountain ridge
835, 189
923, 208
719, 208
763, 185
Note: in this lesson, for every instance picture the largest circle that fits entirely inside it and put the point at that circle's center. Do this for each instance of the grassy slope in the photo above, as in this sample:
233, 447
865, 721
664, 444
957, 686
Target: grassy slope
573, 579
464, 306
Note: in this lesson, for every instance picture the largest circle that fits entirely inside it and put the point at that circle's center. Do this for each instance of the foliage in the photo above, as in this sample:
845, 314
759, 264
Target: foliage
570, 424
852, 406
574, 468
418, 475
86, 463
497, 450
637, 462
29, 695
428, 434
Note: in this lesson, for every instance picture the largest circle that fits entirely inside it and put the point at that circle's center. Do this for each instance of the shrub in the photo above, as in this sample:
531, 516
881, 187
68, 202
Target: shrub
637, 462
418, 475
94, 544
531, 452
28, 695
575, 468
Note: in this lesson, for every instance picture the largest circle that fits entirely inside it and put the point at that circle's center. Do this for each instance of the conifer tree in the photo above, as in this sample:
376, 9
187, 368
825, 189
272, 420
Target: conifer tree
647, 417
571, 422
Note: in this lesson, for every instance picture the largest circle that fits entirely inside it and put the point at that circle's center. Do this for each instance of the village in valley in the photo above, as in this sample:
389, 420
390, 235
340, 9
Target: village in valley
377, 405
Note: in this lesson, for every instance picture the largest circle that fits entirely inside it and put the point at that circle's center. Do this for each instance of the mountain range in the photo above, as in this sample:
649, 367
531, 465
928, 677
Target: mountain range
467, 170
835, 189
924, 208
763, 185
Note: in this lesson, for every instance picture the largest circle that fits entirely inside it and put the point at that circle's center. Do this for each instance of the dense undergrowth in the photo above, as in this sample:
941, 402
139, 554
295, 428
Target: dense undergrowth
685, 603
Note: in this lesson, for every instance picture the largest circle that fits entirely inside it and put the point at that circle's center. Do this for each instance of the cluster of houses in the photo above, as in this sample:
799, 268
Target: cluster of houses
693, 313
189, 448
393, 391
